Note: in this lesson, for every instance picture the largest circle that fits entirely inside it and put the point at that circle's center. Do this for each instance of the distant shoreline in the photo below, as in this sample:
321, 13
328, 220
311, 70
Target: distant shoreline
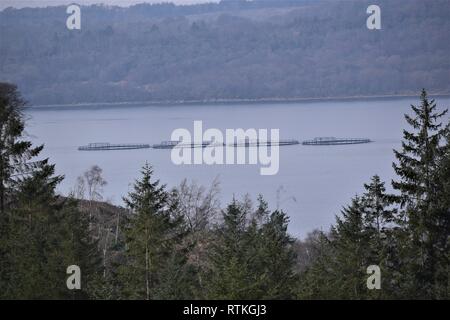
230, 101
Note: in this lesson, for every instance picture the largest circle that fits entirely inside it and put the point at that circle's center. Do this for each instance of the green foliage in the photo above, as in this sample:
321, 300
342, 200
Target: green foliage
15, 151
252, 258
41, 234
155, 263
229, 263
318, 281
168, 245
406, 234
424, 205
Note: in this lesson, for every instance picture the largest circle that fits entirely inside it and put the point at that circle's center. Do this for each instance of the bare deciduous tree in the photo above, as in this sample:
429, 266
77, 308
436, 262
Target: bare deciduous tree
198, 205
90, 184
94, 183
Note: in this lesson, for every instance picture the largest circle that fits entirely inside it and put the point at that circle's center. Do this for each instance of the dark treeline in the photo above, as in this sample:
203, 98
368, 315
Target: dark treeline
180, 244
232, 50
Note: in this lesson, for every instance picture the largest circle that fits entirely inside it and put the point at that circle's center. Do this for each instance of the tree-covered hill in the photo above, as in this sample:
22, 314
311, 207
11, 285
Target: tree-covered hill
232, 50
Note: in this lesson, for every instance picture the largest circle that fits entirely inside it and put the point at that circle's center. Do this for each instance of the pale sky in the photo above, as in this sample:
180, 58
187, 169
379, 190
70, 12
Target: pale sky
45, 3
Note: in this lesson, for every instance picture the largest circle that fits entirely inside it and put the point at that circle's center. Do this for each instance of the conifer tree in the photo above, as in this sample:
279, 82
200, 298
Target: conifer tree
45, 234
441, 210
277, 257
16, 151
380, 220
318, 281
425, 221
151, 240
349, 241
41, 234
228, 276
252, 256
360, 237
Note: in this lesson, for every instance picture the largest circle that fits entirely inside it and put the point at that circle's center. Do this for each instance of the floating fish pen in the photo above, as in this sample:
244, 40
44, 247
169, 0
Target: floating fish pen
205, 144
243, 143
257, 143
177, 144
100, 146
329, 141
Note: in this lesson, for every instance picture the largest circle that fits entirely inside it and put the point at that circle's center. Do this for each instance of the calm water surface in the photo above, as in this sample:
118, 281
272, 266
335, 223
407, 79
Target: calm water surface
314, 182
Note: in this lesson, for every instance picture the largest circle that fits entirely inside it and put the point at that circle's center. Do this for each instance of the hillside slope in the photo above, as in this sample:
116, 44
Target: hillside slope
233, 50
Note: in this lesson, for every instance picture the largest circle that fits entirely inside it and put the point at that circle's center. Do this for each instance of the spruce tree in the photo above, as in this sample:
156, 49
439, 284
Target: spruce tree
318, 281
424, 221
378, 214
349, 241
252, 256
45, 234
41, 233
361, 236
278, 258
441, 212
152, 239
228, 262
16, 151
380, 220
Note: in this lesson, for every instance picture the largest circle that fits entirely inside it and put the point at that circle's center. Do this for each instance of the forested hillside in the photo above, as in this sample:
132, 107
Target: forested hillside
231, 50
